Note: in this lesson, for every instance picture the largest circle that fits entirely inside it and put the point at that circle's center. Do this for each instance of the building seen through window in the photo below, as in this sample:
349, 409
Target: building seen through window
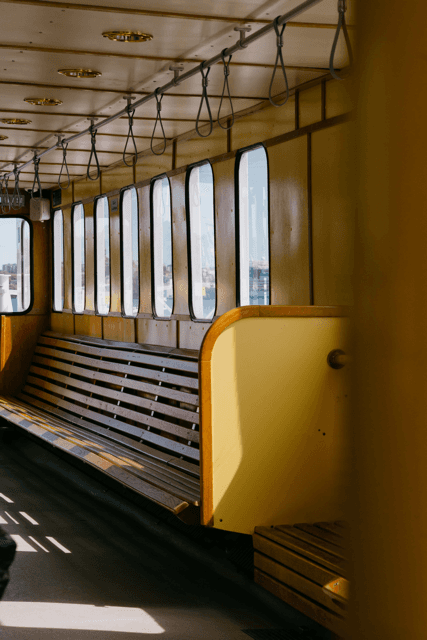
15, 276
162, 248
130, 246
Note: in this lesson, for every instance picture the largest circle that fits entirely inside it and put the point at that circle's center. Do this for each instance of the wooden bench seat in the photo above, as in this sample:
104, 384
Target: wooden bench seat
130, 410
296, 562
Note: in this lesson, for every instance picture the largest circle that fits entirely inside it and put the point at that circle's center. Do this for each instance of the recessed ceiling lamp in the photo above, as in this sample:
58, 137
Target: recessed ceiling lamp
43, 102
127, 36
79, 73
4, 137
15, 121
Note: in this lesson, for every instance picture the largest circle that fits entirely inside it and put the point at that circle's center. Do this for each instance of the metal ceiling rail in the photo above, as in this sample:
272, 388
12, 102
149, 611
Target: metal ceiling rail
242, 43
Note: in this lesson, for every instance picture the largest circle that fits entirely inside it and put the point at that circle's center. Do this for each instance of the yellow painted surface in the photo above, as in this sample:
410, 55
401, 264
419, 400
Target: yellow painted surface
88, 326
334, 214
310, 106
62, 322
152, 165
339, 97
86, 189
161, 332
120, 329
197, 149
264, 124
278, 412
117, 178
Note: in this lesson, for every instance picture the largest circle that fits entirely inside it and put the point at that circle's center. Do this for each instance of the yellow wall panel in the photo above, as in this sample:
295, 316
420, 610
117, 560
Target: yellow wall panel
265, 123
62, 322
67, 194
42, 269
310, 106
153, 165
278, 423
120, 329
116, 178
197, 149
160, 332
86, 189
191, 334
289, 254
338, 97
334, 212
88, 326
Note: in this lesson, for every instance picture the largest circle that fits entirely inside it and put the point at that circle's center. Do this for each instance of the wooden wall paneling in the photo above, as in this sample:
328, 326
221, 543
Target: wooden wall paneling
197, 148
116, 178
62, 322
121, 329
310, 106
266, 123
86, 189
67, 195
115, 256
152, 165
289, 251
191, 334
19, 336
161, 332
41, 269
339, 98
68, 294
85, 325
89, 258
144, 251
334, 214
225, 235
179, 245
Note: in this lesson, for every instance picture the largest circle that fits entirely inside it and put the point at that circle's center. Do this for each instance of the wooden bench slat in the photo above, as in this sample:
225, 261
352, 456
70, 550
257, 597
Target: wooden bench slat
332, 562
159, 390
154, 454
125, 356
301, 534
183, 486
321, 534
103, 405
332, 527
150, 374
139, 432
138, 401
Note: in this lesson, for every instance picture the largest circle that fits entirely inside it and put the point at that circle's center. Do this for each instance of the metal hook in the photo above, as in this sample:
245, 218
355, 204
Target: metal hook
242, 44
177, 69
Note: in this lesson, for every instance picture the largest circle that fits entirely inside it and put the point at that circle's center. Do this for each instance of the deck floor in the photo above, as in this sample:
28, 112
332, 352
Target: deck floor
83, 572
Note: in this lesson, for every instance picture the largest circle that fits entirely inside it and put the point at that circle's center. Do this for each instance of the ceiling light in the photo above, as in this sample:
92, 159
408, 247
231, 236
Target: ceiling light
4, 137
79, 73
15, 121
43, 102
127, 36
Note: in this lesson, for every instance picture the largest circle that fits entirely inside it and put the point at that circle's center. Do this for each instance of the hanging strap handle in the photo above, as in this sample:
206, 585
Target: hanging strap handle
36, 161
279, 56
158, 120
226, 87
64, 164
131, 113
93, 154
6, 203
204, 98
16, 197
342, 7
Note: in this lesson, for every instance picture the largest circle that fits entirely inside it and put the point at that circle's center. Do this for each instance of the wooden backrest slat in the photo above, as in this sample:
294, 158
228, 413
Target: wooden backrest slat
148, 436
150, 374
137, 401
155, 454
102, 405
121, 355
157, 390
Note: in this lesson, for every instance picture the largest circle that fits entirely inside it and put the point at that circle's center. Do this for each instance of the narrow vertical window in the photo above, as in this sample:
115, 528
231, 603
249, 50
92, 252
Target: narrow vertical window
58, 260
253, 229
79, 258
102, 235
130, 262
15, 265
162, 248
200, 196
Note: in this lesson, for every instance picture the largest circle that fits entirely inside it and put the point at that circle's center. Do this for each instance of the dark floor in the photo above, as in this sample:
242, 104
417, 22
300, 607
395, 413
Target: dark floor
83, 571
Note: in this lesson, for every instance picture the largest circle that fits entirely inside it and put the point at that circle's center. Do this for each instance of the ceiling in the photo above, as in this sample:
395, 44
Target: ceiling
38, 37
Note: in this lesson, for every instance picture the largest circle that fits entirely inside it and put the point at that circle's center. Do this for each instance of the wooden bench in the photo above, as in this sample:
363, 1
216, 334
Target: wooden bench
129, 410
301, 564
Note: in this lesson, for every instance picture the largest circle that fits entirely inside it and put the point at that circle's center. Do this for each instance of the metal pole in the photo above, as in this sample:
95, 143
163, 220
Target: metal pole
241, 44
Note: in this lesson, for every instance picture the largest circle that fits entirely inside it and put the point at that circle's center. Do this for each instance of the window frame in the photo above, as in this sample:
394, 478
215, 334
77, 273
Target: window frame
239, 155
188, 227
122, 284
23, 313
153, 298
73, 279
53, 260
95, 240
